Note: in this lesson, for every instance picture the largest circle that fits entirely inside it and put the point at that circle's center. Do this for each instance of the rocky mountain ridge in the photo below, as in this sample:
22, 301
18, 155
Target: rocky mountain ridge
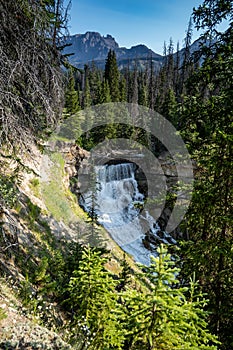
91, 46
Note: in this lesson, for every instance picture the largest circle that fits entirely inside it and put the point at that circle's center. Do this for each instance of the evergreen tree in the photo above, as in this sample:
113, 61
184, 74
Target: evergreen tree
125, 275
87, 100
151, 97
134, 97
170, 66
176, 69
207, 128
105, 96
94, 238
111, 75
123, 90
32, 84
186, 64
94, 301
163, 317
94, 77
72, 98
59, 19
142, 94
169, 107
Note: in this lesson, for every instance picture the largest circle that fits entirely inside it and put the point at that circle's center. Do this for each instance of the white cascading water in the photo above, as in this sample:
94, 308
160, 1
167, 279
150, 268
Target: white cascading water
117, 201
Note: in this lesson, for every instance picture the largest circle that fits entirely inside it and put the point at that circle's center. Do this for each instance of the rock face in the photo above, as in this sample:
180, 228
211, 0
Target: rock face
91, 46
73, 162
73, 156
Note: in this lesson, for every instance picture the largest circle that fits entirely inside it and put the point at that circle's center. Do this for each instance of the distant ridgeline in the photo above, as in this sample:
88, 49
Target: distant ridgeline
92, 47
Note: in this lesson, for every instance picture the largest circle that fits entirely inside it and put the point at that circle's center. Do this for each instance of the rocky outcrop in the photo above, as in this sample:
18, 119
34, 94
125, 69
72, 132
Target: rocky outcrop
72, 153
73, 159
73, 156
151, 241
90, 46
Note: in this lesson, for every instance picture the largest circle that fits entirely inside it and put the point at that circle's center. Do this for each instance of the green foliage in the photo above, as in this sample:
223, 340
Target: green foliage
123, 89
111, 75
32, 94
125, 275
206, 122
164, 317
40, 273
35, 187
93, 298
72, 98
95, 78
33, 212
87, 101
56, 198
3, 315
35, 182
169, 108
160, 314
8, 191
105, 96
142, 95
106, 311
94, 237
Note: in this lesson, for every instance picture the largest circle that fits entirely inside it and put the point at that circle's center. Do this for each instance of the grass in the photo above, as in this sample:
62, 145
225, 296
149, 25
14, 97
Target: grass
2, 314
54, 192
35, 187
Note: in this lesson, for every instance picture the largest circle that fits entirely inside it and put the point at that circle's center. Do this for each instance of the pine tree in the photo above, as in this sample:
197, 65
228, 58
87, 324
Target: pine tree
125, 275
209, 222
87, 101
186, 64
72, 98
134, 96
32, 84
59, 20
122, 89
170, 66
94, 238
143, 88
104, 96
176, 69
142, 95
207, 128
151, 94
163, 317
111, 75
94, 77
94, 302
169, 107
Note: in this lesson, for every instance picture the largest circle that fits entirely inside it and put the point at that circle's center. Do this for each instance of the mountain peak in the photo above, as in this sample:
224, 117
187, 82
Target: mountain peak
110, 41
92, 46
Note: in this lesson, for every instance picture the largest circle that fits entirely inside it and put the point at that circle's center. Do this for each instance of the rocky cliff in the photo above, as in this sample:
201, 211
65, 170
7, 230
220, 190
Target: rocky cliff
91, 46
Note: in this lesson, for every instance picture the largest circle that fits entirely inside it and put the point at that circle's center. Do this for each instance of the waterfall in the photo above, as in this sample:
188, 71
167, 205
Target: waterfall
117, 202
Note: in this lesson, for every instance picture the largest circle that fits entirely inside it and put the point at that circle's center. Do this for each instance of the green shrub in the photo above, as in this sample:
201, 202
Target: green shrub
2, 314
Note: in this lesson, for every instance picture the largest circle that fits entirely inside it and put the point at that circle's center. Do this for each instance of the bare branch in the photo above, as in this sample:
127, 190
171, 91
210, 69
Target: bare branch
31, 79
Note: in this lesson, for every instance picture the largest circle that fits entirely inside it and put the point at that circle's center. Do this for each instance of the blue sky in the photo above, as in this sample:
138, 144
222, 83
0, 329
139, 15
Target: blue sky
132, 22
